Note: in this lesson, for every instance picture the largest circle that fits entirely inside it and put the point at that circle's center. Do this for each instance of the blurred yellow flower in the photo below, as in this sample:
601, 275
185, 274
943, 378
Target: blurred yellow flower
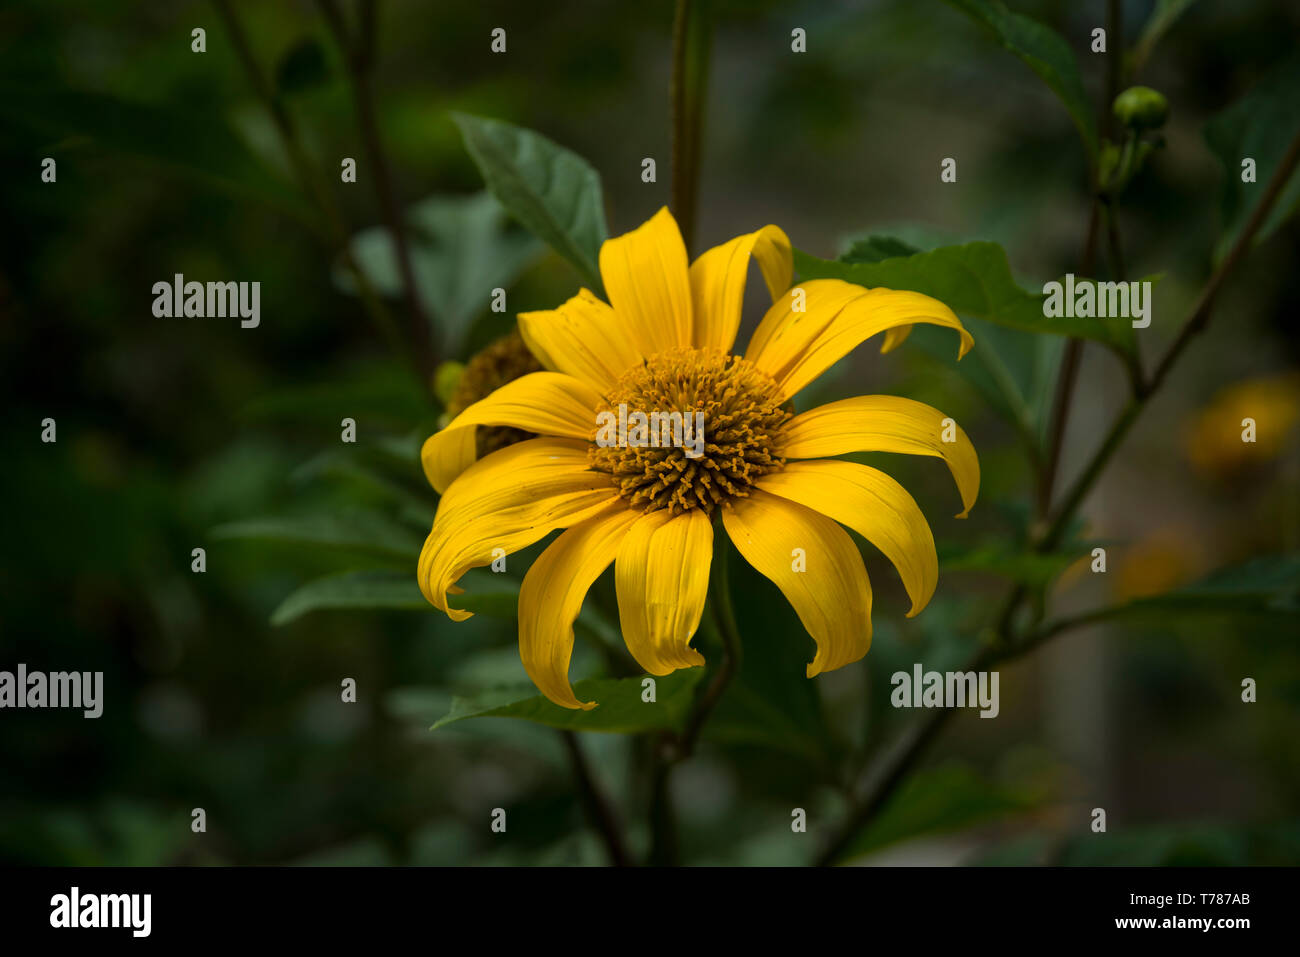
663, 345
1166, 559
1214, 441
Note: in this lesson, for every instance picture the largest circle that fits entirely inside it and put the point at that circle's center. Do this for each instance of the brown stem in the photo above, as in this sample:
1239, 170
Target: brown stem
1195, 322
1201, 312
889, 771
598, 807
1068, 376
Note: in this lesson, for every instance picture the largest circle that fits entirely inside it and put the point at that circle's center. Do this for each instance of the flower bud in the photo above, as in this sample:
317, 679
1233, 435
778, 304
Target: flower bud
1141, 108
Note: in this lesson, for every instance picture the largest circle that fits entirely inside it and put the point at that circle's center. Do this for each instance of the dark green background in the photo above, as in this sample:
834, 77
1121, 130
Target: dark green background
169, 428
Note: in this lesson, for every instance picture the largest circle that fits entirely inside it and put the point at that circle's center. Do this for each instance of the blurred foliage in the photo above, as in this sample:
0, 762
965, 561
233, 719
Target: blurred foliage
222, 689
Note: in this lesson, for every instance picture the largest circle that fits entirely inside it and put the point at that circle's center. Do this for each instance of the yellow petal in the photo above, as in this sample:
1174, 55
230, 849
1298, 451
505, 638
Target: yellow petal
647, 281
873, 505
795, 347
547, 403
507, 501
583, 338
894, 338
552, 594
718, 282
884, 423
832, 597
662, 580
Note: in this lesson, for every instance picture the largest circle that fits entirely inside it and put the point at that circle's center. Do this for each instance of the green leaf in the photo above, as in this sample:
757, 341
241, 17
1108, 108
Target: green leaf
554, 192
973, 279
873, 249
193, 143
1269, 584
1163, 16
375, 392
1259, 126
1014, 374
771, 701
1045, 52
417, 508
619, 709
1007, 561
937, 801
356, 589
1007, 370
362, 531
461, 248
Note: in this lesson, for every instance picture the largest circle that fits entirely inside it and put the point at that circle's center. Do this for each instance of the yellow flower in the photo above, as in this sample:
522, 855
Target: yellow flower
1215, 441
663, 344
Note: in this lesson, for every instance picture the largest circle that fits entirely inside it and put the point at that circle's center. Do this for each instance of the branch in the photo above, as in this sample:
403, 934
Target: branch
1074, 349
1195, 322
1201, 312
669, 750
310, 178
360, 57
597, 806
888, 772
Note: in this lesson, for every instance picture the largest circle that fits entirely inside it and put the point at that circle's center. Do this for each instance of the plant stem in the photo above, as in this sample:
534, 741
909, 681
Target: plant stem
1201, 313
1114, 61
360, 58
669, 750
597, 806
1195, 322
723, 617
686, 109
311, 180
886, 774
1068, 376
663, 817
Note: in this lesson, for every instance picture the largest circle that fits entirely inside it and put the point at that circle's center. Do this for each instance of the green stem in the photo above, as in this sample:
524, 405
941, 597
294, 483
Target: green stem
687, 85
723, 618
312, 180
1069, 375
670, 750
596, 804
360, 57
886, 774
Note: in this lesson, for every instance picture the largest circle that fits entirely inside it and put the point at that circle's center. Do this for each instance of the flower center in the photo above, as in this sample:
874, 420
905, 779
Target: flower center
688, 429
503, 360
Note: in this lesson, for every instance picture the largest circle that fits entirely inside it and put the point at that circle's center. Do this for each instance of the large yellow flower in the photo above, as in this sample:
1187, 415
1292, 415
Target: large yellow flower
663, 344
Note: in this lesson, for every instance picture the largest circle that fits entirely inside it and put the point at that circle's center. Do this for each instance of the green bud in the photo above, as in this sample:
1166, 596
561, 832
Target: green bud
445, 379
1141, 108
1107, 164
